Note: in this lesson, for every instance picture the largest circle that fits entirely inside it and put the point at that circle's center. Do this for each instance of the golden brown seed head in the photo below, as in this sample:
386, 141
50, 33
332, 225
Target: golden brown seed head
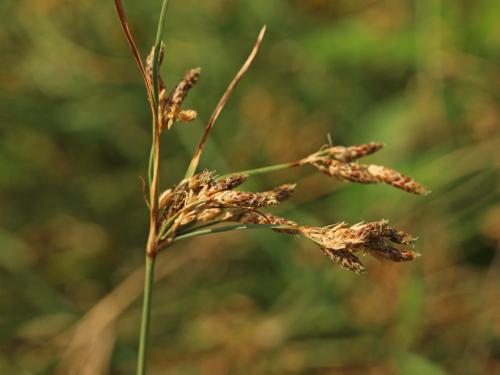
252, 217
376, 238
253, 200
396, 179
348, 154
149, 63
227, 183
245, 199
170, 106
284, 192
209, 214
345, 259
201, 180
368, 174
187, 115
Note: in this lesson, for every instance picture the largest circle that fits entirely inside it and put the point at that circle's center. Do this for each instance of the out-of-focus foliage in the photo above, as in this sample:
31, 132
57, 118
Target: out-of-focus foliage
421, 76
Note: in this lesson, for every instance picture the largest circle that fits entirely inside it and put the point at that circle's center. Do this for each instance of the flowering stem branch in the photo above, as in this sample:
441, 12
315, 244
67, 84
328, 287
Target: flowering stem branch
228, 228
269, 168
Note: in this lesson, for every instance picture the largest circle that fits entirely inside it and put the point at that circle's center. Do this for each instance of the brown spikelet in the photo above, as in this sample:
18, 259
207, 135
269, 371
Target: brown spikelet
165, 198
345, 259
381, 229
377, 238
353, 172
252, 217
396, 179
227, 183
209, 214
284, 192
335, 237
170, 106
149, 66
368, 174
348, 154
201, 180
251, 200
187, 115
187, 218
384, 251
339, 162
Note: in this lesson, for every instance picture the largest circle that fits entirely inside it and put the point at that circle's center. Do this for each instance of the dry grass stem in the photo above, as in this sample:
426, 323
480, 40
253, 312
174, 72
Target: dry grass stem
222, 102
135, 51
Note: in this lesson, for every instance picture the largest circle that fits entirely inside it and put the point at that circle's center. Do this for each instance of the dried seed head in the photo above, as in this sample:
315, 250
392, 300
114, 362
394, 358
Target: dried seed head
201, 180
353, 172
345, 259
381, 229
227, 183
187, 115
170, 107
187, 218
338, 161
335, 237
284, 192
376, 238
208, 214
252, 217
149, 65
165, 198
396, 179
386, 252
368, 174
245, 199
348, 154
182, 88
253, 200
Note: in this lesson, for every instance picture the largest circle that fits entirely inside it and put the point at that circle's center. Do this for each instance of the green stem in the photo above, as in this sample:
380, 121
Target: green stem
150, 260
227, 228
156, 53
150, 164
270, 168
193, 227
146, 316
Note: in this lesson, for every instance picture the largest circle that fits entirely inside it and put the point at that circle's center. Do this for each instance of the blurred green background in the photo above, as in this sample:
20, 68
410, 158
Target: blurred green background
421, 76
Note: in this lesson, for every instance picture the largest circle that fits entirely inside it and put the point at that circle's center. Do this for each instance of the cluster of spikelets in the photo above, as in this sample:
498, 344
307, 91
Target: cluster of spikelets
205, 200
169, 104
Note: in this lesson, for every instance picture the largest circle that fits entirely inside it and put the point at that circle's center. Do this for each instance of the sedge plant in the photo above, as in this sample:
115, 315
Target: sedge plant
205, 203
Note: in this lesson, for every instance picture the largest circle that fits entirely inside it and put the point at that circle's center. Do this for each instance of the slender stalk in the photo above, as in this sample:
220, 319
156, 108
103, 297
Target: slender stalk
269, 168
277, 167
156, 53
153, 180
193, 227
146, 316
135, 51
193, 165
228, 228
